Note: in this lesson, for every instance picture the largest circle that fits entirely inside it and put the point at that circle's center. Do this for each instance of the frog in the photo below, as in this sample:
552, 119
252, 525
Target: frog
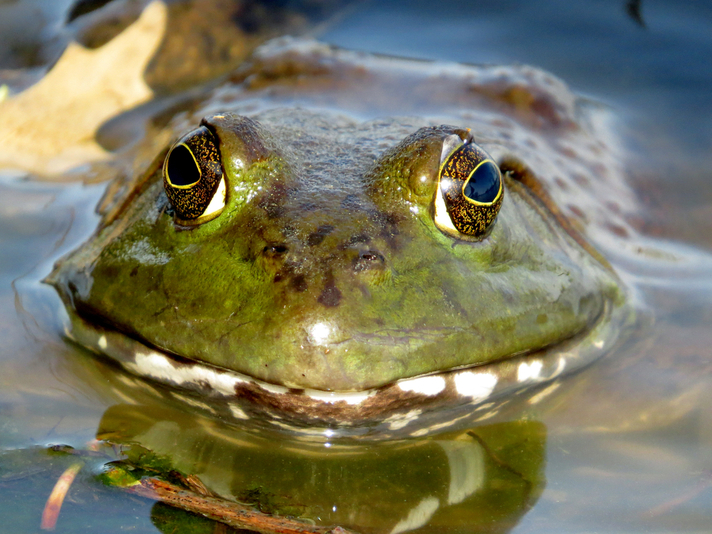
292, 259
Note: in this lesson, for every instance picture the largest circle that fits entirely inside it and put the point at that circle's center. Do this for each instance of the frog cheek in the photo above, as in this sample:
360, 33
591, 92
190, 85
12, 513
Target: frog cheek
193, 177
469, 193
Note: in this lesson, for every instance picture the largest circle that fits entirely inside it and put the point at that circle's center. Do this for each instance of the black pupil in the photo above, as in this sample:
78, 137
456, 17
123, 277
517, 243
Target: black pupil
484, 183
182, 169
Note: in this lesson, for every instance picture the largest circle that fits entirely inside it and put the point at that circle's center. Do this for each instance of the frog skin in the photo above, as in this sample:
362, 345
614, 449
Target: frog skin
326, 275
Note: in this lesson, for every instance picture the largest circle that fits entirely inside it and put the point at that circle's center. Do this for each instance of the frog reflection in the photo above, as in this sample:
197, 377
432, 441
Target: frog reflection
485, 477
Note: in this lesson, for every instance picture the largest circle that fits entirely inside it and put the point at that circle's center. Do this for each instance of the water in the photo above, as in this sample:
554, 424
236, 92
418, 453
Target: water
624, 447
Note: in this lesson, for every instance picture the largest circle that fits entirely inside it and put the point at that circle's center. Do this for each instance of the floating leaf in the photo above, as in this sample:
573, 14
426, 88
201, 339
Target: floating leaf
50, 127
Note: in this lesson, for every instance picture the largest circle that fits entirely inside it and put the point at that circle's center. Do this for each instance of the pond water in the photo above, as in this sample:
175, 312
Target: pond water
625, 446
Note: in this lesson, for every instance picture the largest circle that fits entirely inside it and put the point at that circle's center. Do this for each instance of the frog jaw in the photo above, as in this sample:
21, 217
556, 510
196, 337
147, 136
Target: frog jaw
409, 407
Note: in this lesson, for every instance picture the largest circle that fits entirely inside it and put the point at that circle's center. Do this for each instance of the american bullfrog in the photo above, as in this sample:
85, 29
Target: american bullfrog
324, 266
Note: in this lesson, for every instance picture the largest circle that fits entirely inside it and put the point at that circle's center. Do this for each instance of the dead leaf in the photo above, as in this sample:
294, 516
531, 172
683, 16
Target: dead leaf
50, 127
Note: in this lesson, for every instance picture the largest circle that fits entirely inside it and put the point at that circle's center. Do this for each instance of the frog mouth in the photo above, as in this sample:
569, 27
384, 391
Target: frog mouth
409, 407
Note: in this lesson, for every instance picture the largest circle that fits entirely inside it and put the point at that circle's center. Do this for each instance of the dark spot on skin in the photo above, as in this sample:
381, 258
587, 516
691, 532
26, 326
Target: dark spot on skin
581, 180
274, 211
569, 152
561, 184
548, 109
391, 219
299, 283
315, 238
618, 230
330, 295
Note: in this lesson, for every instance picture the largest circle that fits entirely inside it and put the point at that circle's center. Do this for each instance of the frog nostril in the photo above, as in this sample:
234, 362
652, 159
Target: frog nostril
275, 249
368, 260
299, 283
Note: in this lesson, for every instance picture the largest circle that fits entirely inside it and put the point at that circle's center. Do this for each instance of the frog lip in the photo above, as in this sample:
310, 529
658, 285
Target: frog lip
470, 393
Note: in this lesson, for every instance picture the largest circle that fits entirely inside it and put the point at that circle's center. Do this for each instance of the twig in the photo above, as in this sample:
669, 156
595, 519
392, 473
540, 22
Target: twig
56, 498
229, 512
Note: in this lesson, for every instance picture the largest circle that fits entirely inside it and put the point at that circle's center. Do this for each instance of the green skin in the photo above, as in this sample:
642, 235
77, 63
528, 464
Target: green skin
326, 269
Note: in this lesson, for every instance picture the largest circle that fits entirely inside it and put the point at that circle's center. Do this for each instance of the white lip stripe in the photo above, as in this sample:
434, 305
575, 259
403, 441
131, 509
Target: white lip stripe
330, 398
159, 367
476, 385
529, 371
425, 385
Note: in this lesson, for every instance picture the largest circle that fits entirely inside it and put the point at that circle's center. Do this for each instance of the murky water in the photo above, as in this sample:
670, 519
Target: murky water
625, 446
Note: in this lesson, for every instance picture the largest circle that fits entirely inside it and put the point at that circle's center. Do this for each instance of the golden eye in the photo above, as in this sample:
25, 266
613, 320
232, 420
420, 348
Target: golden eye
470, 190
193, 177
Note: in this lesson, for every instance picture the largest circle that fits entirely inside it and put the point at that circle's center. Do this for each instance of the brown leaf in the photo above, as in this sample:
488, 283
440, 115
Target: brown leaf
50, 127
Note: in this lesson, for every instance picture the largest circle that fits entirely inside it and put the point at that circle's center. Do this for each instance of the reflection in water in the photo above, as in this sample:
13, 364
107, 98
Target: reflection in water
487, 476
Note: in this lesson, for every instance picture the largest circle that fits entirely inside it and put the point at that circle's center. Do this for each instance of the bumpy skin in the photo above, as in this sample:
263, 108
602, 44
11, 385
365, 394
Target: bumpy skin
325, 269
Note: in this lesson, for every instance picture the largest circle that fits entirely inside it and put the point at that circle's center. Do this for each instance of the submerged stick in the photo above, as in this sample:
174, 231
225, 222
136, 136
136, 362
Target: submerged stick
229, 512
56, 498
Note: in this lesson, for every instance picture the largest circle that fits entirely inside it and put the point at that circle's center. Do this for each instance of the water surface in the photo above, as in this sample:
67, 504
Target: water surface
624, 447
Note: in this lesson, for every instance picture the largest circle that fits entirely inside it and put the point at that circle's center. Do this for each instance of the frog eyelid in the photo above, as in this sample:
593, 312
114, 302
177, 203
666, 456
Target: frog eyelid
441, 216
453, 143
469, 177
217, 203
197, 166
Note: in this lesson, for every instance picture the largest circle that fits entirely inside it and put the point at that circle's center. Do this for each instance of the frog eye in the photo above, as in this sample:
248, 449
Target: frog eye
193, 177
470, 190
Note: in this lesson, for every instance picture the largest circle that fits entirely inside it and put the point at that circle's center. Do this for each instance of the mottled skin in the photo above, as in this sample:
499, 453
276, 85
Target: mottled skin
325, 270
